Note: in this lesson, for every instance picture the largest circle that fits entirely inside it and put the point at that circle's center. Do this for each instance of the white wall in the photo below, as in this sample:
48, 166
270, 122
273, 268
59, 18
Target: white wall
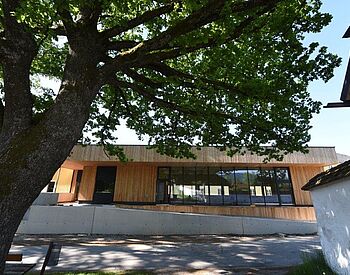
332, 206
112, 220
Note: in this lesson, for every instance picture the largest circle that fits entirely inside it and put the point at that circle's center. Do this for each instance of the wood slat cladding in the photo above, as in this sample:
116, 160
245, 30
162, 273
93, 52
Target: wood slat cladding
300, 176
64, 180
65, 197
73, 189
87, 185
209, 155
285, 212
135, 183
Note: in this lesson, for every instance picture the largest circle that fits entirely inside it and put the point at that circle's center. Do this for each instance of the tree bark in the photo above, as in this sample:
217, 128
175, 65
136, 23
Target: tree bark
31, 157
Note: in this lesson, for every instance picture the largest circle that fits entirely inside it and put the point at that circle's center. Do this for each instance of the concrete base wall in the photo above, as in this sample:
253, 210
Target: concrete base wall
112, 220
332, 206
46, 198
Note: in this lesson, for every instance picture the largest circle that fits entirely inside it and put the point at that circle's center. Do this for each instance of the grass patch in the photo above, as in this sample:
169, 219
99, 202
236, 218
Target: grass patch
314, 264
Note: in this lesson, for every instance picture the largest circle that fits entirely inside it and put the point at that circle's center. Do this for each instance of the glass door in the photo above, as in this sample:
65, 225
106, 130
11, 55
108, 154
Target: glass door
162, 188
104, 185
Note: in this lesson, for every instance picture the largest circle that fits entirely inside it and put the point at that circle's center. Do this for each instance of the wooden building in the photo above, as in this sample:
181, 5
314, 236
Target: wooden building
213, 183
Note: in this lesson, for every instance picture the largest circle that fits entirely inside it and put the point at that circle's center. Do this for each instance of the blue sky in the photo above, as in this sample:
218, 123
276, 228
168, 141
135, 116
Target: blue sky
331, 127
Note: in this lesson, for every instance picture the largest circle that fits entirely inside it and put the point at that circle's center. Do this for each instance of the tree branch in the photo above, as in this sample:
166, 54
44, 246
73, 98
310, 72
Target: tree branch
168, 71
143, 18
67, 19
141, 78
1, 114
205, 15
158, 101
90, 14
2, 48
121, 45
59, 30
144, 53
115, 84
18, 50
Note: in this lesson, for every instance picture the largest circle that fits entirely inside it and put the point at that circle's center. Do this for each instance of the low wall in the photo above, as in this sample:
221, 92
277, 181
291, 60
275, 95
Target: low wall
112, 220
303, 213
46, 198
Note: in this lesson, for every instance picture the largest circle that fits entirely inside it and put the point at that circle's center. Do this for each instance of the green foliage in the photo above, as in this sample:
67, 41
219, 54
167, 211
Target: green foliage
244, 86
314, 264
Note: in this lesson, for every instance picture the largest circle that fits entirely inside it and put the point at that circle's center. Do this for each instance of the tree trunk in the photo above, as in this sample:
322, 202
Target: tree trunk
12, 210
30, 158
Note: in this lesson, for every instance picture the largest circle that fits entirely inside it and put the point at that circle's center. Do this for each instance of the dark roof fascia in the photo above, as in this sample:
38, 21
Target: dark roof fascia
338, 172
347, 33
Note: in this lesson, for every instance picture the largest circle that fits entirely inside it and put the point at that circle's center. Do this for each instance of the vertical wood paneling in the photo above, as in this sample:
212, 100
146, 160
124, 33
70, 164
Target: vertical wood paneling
300, 176
87, 185
73, 188
64, 180
135, 183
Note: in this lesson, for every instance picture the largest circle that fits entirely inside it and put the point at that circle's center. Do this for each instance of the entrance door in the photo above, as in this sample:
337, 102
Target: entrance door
104, 186
162, 191
162, 187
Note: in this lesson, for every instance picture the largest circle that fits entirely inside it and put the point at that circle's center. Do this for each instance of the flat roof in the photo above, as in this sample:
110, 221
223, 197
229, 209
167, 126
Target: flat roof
321, 156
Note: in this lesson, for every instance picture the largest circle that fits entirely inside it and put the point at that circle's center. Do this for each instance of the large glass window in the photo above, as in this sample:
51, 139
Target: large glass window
229, 186
225, 186
242, 187
255, 186
176, 185
202, 185
215, 176
267, 177
190, 193
284, 186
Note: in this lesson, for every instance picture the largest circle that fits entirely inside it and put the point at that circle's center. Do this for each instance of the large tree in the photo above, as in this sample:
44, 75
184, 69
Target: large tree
194, 72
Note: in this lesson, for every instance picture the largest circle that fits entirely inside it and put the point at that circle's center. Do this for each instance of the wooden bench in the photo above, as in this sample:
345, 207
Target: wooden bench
51, 259
14, 257
16, 268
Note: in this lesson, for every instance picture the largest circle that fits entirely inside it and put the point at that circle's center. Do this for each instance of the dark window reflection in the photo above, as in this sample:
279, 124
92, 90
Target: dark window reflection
284, 186
214, 183
255, 186
227, 186
202, 185
242, 187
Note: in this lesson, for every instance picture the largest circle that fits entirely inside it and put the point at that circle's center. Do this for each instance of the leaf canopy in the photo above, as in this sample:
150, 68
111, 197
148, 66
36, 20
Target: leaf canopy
232, 74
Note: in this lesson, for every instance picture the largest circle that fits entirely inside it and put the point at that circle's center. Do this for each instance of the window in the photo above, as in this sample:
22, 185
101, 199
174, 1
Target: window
255, 186
284, 186
267, 177
176, 183
229, 186
202, 185
242, 187
190, 194
105, 184
214, 183
225, 186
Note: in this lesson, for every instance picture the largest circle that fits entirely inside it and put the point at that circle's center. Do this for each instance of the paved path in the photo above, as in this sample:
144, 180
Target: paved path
215, 253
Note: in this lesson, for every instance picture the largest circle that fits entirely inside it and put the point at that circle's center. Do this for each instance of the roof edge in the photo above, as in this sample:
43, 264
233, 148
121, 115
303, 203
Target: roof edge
338, 172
